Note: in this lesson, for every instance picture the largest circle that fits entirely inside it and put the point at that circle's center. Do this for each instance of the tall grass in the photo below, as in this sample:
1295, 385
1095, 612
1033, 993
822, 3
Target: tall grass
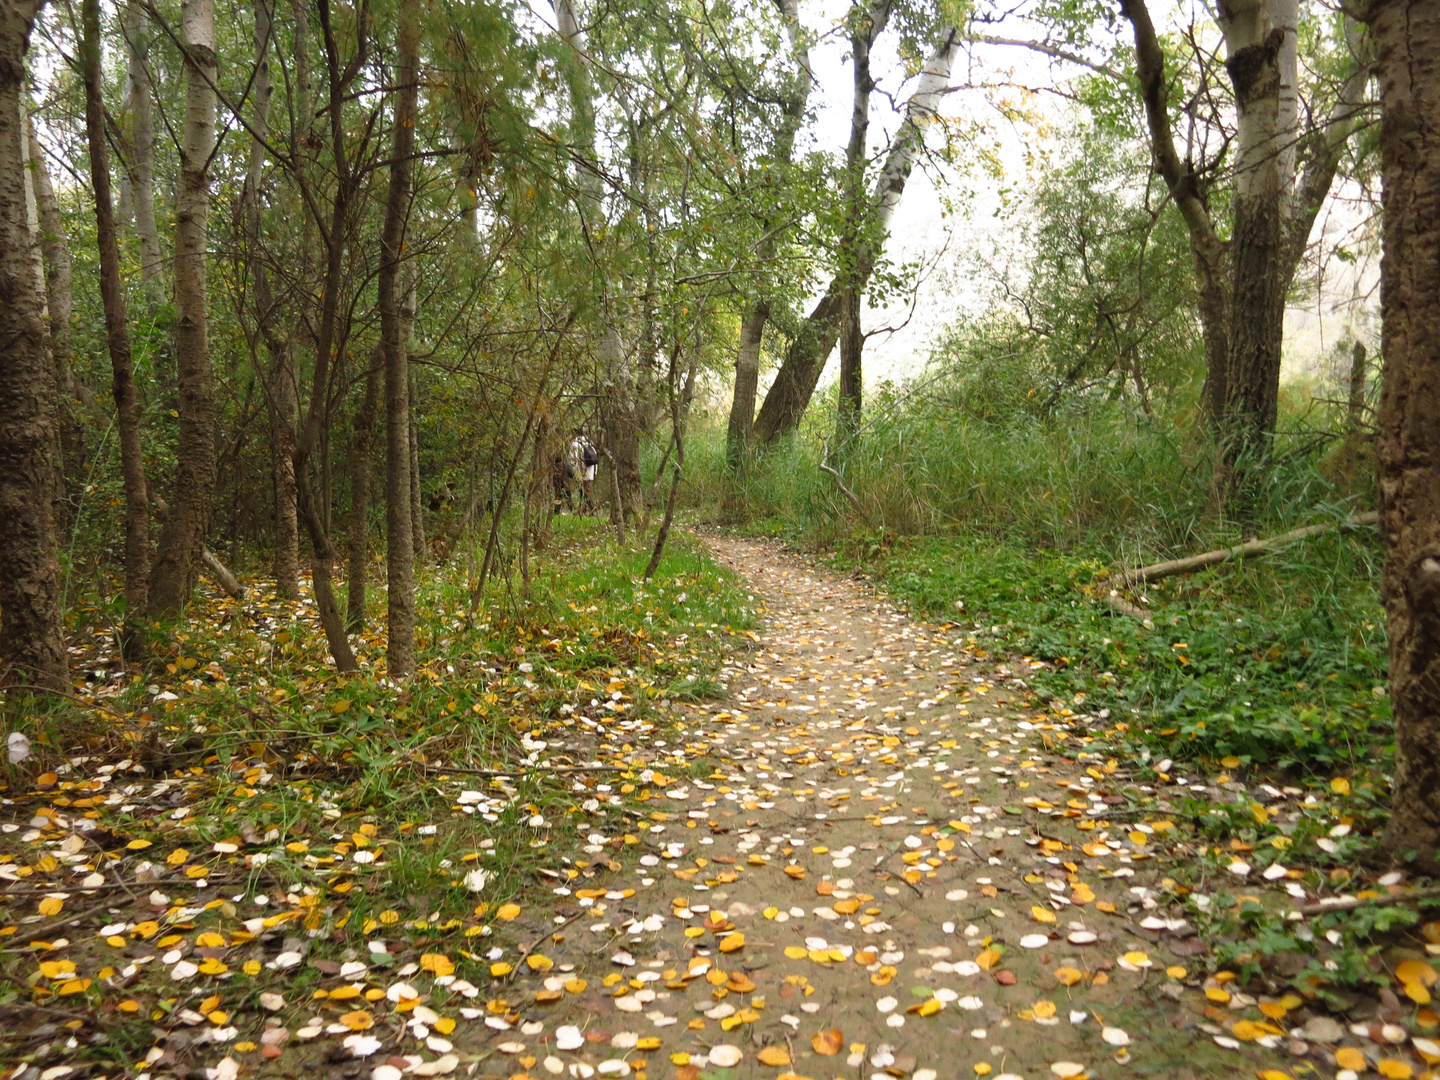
1006, 520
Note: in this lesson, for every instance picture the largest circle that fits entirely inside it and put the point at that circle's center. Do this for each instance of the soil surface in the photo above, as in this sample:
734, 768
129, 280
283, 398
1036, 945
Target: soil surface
860, 888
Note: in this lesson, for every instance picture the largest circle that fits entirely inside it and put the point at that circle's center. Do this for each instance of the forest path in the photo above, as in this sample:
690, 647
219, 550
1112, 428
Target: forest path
859, 890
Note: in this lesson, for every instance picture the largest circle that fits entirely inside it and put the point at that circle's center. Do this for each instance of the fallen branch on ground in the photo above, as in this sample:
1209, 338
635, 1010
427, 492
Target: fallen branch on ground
1350, 903
1146, 574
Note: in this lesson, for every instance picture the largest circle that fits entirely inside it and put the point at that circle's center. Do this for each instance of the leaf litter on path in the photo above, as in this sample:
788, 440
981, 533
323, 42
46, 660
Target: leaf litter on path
891, 855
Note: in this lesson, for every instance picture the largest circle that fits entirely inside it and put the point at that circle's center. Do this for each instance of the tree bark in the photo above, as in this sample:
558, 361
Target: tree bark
851, 388
140, 97
117, 336
1359, 376
31, 642
1407, 56
805, 359
417, 497
1259, 38
747, 384
400, 542
357, 561
59, 295
183, 534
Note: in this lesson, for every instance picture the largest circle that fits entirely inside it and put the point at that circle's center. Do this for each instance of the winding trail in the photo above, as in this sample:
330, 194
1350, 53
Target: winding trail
860, 890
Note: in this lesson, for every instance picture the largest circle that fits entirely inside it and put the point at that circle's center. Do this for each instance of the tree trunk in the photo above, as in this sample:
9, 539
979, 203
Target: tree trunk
1259, 40
183, 534
747, 384
139, 102
281, 404
59, 296
357, 562
117, 335
851, 388
31, 643
804, 361
1359, 375
1407, 50
400, 542
417, 500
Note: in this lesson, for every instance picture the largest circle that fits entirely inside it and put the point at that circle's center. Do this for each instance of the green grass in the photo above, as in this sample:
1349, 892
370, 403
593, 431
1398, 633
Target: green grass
272, 750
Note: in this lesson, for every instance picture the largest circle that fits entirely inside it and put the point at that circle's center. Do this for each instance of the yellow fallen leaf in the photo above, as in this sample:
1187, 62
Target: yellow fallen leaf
828, 1043
1044, 1009
500, 969
731, 942
51, 905
1347, 1057
1068, 976
508, 912
649, 1042
988, 959
210, 940
774, 1055
1273, 1074
1139, 959
930, 1006
74, 986
359, 1020
1175, 971
539, 963
1217, 995
1273, 1009
796, 952
1341, 786
1394, 1069
344, 993
1042, 915
176, 857
445, 1025
438, 964
575, 986
137, 845
1417, 993
1416, 971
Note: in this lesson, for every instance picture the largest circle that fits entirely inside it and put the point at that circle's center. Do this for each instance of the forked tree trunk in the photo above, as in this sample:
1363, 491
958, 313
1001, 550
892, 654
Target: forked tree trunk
117, 335
32, 649
1407, 50
400, 543
177, 562
795, 382
139, 96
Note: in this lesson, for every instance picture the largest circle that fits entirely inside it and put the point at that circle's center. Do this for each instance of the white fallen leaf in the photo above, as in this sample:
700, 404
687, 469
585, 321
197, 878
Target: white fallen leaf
725, 1055
568, 1038
361, 1045
17, 745
1034, 941
476, 880
1067, 1069
1115, 1036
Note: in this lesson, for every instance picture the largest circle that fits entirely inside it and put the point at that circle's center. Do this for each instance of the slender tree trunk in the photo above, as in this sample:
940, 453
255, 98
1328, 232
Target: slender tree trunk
747, 383
117, 334
1359, 375
400, 542
357, 563
281, 397
140, 98
177, 560
1407, 49
851, 388
31, 643
679, 412
59, 296
417, 499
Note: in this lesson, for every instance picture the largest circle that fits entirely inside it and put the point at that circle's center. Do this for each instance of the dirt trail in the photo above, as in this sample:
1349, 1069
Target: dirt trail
902, 912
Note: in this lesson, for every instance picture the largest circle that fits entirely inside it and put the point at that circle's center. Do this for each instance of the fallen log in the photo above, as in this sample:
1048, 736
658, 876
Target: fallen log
1111, 597
222, 575
1248, 550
